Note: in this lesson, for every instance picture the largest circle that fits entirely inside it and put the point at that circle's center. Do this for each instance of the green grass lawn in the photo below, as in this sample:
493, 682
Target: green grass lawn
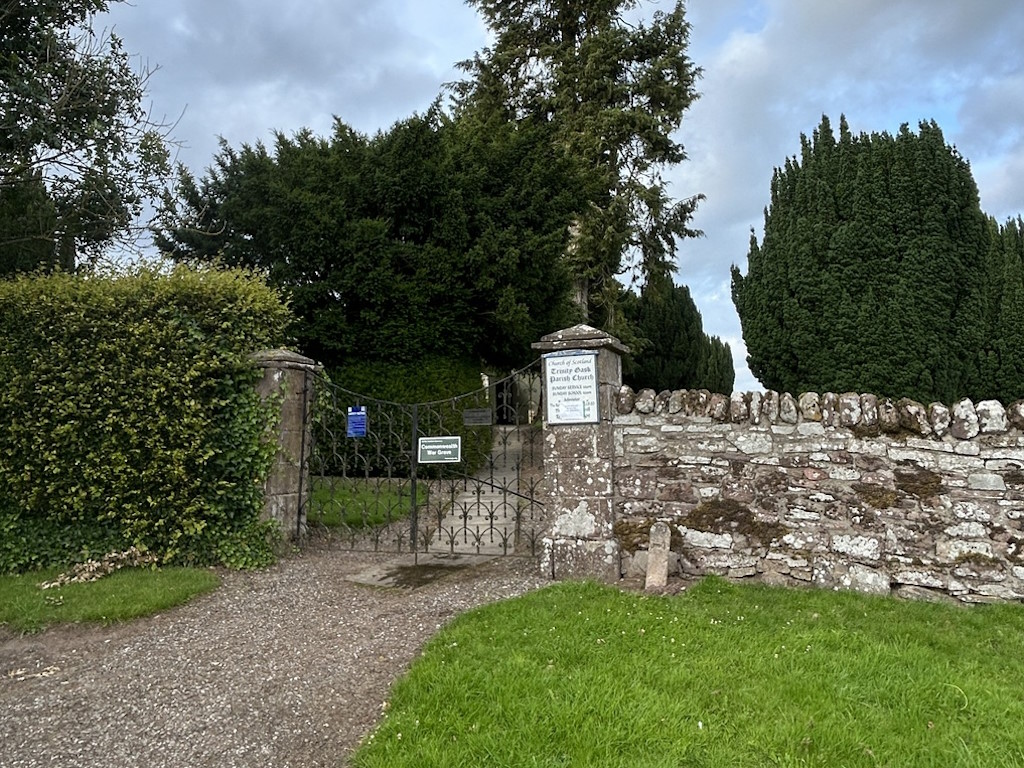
125, 594
721, 676
361, 503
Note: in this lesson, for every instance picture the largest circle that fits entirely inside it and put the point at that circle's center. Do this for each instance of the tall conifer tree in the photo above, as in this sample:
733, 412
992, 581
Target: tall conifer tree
870, 275
611, 90
675, 353
1006, 350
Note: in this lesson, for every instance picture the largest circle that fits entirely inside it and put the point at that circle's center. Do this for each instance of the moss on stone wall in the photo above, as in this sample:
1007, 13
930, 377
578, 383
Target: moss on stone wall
728, 516
918, 482
634, 534
876, 496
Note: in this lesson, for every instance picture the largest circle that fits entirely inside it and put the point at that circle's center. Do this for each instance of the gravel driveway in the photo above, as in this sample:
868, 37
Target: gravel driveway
284, 667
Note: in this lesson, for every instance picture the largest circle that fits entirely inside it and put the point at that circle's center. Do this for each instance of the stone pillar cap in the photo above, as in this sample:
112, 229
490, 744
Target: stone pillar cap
285, 358
580, 337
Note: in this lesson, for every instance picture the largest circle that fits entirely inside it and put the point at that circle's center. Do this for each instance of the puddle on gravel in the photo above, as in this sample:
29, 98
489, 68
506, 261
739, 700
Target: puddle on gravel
412, 576
410, 572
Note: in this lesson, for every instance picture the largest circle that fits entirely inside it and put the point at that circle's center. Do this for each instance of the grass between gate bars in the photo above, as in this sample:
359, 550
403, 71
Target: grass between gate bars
126, 594
361, 503
721, 676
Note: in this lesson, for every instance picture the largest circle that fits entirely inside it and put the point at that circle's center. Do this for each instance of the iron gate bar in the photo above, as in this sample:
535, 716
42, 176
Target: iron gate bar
503, 451
413, 499
472, 478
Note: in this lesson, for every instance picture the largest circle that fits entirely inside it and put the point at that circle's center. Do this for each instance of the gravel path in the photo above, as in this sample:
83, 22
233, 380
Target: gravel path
285, 667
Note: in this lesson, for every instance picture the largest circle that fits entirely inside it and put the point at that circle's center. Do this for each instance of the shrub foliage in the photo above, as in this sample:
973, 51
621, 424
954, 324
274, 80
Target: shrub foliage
131, 417
441, 387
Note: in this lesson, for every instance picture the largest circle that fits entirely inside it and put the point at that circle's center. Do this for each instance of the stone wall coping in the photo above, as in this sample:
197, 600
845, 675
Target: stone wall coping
868, 415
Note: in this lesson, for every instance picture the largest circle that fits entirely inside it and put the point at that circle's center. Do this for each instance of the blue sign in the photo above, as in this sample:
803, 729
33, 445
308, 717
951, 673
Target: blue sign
357, 421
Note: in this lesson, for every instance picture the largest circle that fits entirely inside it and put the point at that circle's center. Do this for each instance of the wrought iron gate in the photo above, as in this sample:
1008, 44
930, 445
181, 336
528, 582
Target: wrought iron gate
372, 485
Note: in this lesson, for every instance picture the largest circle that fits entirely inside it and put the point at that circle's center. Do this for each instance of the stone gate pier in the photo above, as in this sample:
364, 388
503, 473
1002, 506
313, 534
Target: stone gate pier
289, 376
579, 455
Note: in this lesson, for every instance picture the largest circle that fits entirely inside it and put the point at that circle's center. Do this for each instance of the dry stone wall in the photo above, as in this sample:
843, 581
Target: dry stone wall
836, 490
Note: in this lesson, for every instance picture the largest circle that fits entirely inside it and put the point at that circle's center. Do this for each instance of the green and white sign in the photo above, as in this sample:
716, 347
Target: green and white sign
439, 450
570, 388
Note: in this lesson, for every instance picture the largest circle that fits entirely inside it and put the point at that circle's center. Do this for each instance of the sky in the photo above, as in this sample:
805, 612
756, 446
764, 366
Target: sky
243, 69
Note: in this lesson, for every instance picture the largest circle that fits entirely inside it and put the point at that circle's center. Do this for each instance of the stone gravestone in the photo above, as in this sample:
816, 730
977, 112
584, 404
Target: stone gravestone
657, 557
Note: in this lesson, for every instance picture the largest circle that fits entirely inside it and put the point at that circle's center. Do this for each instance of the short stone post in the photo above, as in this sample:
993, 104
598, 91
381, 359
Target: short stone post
290, 376
657, 556
582, 376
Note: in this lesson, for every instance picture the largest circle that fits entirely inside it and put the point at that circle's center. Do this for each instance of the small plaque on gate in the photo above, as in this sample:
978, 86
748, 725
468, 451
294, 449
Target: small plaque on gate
477, 417
356, 421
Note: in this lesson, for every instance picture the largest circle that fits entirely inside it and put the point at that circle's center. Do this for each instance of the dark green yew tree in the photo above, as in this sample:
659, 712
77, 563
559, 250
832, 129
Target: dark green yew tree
464, 233
674, 352
431, 239
512, 199
871, 275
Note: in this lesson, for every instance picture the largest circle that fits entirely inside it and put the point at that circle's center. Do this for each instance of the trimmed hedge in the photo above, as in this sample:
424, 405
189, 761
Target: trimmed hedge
427, 380
130, 416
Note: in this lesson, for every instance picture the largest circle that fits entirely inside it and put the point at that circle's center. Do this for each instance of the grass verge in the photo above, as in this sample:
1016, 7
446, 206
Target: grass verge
125, 594
722, 676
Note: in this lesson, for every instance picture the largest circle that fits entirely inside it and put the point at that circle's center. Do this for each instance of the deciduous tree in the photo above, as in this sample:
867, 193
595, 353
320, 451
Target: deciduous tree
78, 152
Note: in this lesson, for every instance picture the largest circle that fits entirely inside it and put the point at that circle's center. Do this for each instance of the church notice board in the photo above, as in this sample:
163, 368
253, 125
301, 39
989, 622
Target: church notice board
570, 387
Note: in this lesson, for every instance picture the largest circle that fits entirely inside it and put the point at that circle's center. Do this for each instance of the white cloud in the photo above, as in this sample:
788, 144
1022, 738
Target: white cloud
882, 63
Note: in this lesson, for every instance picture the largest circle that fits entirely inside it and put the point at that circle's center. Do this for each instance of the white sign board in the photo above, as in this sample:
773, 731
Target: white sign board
570, 388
